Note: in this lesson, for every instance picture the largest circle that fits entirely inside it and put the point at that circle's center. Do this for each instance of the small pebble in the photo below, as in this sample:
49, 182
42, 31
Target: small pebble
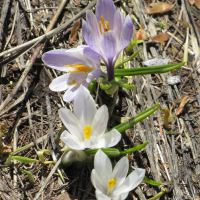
156, 62
173, 80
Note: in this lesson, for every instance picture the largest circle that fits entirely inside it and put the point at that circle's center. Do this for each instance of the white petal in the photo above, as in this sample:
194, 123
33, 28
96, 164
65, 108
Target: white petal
103, 166
121, 196
97, 182
71, 123
120, 171
71, 140
93, 74
101, 196
59, 84
84, 107
100, 121
131, 182
109, 139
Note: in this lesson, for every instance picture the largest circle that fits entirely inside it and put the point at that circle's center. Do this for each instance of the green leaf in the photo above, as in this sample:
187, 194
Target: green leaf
123, 84
158, 195
141, 146
111, 152
128, 59
23, 159
129, 48
147, 70
151, 182
41, 156
20, 149
30, 176
105, 87
130, 123
92, 86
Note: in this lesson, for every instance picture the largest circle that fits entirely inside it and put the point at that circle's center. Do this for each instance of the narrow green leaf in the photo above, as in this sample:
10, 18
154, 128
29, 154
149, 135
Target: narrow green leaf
130, 123
123, 84
158, 195
92, 86
23, 159
147, 70
173, 133
105, 87
141, 146
21, 148
128, 59
30, 176
151, 182
111, 152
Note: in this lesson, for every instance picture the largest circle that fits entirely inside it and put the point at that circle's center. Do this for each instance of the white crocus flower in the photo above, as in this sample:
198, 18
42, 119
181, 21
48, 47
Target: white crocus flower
113, 184
87, 125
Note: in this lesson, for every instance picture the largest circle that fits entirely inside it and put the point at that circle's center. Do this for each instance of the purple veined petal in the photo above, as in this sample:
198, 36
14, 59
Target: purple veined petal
70, 140
109, 49
84, 107
90, 38
118, 24
100, 121
59, 84
97, 181
92, 22
91, 143
109, 139
57, 59
92, 56
93, 74
131, 182
103, 166
121, 196
101, 196
106, 8
120, 171
71, 123
126, 35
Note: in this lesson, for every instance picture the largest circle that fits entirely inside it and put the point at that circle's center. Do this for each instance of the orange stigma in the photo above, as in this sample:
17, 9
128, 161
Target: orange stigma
80, 68
106, 26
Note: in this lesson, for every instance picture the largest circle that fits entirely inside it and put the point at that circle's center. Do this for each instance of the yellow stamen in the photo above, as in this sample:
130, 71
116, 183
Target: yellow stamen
80, 68
103, 23
111, 183
88, 131
108, 27
73, 82
100, 27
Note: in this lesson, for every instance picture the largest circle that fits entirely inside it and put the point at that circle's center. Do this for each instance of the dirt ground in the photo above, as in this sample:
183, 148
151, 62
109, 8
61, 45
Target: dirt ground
30, 108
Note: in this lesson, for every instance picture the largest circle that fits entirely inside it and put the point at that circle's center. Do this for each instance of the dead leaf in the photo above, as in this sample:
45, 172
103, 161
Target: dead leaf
159, 8
74, 31
141, 33
160, 38
182, 105
191, 2
197, 4
65, 196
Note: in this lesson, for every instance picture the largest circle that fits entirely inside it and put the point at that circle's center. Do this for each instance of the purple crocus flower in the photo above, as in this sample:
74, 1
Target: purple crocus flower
107, 33
82, 63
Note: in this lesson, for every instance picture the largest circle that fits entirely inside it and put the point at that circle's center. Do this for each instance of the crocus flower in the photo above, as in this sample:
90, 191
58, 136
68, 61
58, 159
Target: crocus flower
107, 33
113, 184
82, 63
87, 125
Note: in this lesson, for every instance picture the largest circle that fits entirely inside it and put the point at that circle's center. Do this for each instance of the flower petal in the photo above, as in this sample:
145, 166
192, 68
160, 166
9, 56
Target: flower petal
126, 33
92, 22
60, 83
71, 123
106, 8
131, 182
100, 121
93, 74
57, 59
70, 140
101, 196
90, 38
84, 107
118, 24
120, 171
103, 167
121, 196
109, 139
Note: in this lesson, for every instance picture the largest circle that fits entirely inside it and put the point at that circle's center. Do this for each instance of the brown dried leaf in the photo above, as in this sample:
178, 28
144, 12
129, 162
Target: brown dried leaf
141, 34
182, 105
160, 38
191, 2
159, 8
197, 3
74, 31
